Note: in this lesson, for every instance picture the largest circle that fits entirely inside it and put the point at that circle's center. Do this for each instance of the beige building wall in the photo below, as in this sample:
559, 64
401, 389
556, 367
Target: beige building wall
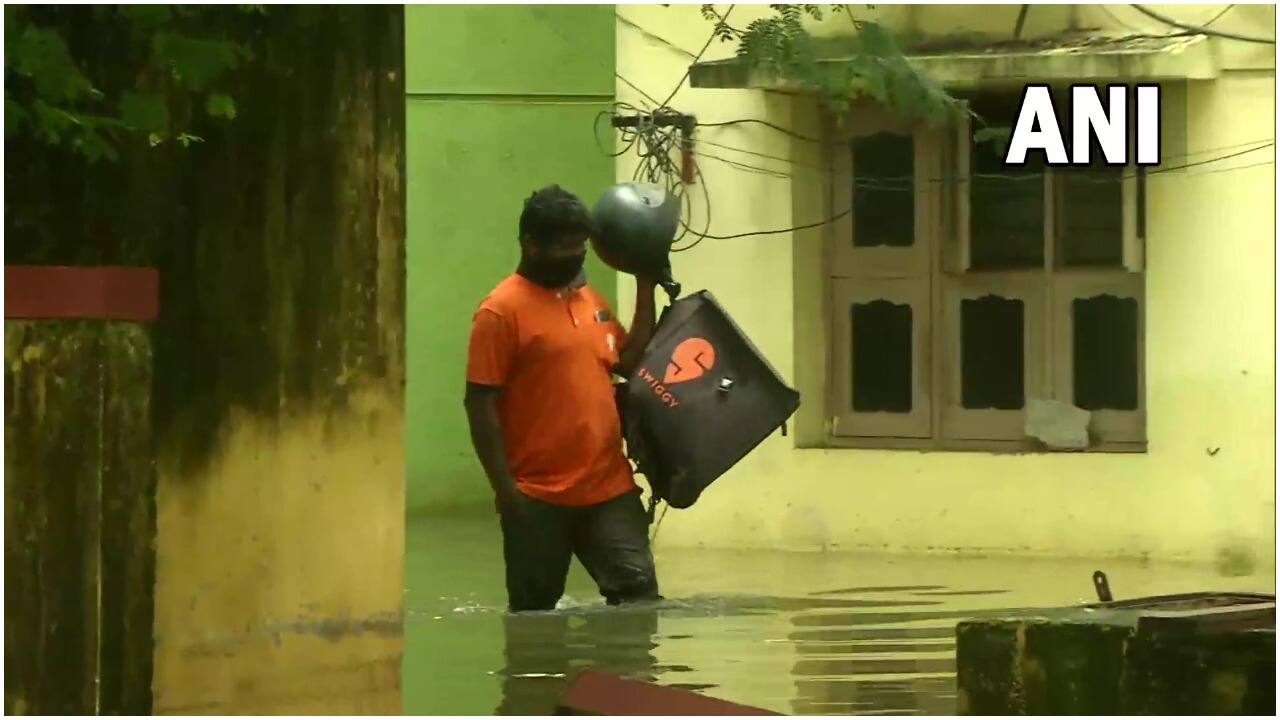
1210, 328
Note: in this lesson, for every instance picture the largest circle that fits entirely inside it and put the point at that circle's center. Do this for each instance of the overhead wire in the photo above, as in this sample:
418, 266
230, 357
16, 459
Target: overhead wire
838, 216
654, 535
1137, 31
782, 231
1218, 17
635, 87
755, 169
706, 203
651, 35
657, 167
766, 123
793, 161
1235, 167
627, 136
1220, 158
655, 164
1200, 29
697, 58
905, 182
1140, 33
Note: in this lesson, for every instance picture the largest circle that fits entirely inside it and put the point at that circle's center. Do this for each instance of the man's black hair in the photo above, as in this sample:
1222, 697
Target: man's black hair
553, 214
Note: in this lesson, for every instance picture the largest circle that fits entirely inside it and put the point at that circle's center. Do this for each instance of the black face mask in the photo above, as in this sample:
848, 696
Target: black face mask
551, 271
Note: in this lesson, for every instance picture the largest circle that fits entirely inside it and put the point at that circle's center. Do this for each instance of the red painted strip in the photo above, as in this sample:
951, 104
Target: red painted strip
50, 292
597, 693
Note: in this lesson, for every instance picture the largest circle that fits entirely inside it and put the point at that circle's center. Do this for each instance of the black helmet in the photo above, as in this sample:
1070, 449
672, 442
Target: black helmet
635, 226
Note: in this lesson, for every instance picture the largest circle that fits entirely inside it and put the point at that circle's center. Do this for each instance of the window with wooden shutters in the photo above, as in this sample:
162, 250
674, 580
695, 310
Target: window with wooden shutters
992, 353
881, 337
880, 290
962, 289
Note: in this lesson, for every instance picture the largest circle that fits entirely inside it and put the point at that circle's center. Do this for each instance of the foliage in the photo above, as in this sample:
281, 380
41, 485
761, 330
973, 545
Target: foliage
872, 63
998, 136
88, 78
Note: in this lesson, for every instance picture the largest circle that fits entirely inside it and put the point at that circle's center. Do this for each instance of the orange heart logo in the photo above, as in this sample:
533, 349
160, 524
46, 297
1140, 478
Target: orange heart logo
690, 361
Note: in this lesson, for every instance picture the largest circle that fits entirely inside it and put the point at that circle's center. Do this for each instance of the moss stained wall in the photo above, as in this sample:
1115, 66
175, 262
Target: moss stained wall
79, 518
277, 391
1100, 663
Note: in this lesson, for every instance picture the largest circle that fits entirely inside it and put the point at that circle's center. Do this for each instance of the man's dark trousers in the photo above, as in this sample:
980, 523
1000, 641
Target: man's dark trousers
611, 540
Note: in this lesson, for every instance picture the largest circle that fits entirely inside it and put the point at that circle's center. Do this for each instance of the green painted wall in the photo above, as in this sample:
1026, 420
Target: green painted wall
501, 101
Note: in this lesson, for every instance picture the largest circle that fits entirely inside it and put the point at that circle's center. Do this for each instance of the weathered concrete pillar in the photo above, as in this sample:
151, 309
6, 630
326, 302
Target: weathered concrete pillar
275, 367
79, 490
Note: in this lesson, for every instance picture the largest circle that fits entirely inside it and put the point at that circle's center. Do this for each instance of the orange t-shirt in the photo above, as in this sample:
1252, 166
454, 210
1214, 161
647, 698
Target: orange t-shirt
552, 352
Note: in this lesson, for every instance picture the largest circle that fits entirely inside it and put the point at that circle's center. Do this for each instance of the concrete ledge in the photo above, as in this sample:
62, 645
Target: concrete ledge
40, 292
1104, 660
966, 65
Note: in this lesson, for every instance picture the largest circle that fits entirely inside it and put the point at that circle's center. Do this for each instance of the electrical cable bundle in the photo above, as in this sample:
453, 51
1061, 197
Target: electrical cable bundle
655, 143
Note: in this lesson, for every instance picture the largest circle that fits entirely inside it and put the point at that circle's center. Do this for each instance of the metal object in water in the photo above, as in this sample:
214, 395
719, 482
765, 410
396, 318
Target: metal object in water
1101, 586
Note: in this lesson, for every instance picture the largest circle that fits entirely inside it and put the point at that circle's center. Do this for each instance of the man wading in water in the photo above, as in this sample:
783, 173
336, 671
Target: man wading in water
540, 402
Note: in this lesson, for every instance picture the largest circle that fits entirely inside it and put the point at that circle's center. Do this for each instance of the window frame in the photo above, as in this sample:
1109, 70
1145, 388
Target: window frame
938, 261
1112, 425
852, 261
961, 423
847, 422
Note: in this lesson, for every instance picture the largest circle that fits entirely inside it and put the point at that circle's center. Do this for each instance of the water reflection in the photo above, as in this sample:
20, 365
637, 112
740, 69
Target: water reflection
794, 633
544, 651
844, 668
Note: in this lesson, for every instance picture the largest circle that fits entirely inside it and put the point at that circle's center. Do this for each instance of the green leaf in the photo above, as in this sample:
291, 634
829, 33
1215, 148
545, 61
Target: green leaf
987, 134
781, 48
51, 99
94, 147
51, 122
877, 41
998, 136
147, 17
42, 55
16, 117
144, 113
220, 106
937, 105
14, 24
874, 83
193, 62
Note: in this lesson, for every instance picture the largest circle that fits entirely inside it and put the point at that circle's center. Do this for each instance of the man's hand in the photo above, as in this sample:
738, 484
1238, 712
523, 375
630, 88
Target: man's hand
642, 327
486, 436
510, 501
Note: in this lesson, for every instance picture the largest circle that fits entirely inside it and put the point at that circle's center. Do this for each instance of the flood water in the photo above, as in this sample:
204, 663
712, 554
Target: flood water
796, 633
